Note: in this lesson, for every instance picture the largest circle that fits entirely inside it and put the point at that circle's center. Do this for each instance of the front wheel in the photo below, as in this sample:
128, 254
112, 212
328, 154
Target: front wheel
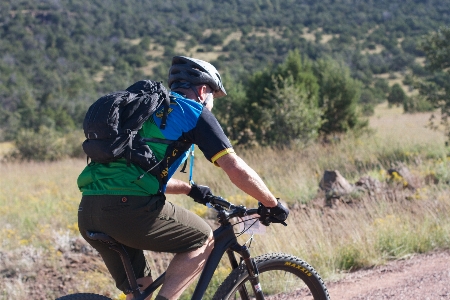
282, 276
84, 296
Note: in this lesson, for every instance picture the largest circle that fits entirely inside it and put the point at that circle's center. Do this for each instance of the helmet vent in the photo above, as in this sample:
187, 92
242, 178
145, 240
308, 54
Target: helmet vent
191, 73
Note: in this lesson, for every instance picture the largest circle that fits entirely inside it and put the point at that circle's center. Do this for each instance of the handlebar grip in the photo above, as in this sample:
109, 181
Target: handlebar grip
219, 201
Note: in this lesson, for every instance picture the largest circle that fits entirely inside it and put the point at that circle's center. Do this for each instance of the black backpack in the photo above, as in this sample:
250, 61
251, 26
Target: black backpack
112, 122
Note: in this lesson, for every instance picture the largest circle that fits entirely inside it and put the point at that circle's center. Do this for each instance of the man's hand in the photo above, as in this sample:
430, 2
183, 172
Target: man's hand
200, 193
277, 214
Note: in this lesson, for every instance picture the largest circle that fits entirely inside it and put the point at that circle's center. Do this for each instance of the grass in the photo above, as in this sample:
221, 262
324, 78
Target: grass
5, 148
39, 199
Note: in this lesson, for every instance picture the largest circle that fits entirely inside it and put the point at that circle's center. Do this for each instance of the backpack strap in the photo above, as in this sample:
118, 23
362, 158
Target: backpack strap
156, 140
166, 103
131, 135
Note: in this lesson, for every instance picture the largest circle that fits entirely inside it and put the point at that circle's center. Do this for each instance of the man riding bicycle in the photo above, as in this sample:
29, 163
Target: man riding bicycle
130, 207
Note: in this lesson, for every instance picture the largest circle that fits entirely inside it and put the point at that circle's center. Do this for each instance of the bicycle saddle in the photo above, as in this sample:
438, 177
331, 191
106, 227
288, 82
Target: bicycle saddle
102, 237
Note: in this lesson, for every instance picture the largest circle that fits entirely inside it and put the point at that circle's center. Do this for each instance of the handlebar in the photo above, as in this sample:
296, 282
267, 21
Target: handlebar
227, 210
222, 205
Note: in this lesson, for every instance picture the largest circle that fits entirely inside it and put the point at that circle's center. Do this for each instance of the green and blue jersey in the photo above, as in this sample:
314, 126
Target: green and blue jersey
188, 122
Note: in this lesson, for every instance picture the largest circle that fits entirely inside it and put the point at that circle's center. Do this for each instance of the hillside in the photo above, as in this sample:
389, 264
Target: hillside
59, 56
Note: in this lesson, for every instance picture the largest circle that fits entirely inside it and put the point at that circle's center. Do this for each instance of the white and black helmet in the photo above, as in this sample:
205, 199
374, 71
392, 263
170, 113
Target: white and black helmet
196, 72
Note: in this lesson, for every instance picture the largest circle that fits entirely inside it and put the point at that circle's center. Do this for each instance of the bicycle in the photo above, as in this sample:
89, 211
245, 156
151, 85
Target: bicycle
269, 276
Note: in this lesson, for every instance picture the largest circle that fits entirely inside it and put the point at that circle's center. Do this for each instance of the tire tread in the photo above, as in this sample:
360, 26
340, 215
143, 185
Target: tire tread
277, 259
84, 296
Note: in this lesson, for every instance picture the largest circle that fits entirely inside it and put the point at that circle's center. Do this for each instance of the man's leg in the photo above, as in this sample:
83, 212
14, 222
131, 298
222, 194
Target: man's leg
174, 230
100, 214
183, 269
143, 283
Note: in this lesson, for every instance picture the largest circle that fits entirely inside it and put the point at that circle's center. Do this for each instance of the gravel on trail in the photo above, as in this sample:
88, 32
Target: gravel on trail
421, 276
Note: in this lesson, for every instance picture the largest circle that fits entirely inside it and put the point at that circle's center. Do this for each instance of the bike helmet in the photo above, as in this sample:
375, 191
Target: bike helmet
196, 72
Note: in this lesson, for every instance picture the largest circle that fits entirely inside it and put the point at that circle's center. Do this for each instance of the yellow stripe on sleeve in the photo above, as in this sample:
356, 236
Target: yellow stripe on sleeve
220, 154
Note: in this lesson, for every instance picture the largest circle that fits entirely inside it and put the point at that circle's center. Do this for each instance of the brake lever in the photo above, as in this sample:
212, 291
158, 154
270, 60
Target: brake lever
267, 222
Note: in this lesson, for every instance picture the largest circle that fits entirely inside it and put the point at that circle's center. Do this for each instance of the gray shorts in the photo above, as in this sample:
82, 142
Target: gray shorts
140, 223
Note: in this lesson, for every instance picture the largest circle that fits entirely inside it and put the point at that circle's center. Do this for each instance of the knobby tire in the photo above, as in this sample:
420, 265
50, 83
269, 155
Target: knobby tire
282, 276
84, 296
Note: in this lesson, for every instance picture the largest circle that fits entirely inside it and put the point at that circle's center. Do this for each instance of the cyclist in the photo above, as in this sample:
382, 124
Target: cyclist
119, 201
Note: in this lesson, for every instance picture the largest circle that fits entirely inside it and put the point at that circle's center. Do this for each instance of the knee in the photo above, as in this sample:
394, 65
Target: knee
207, 246
209, 243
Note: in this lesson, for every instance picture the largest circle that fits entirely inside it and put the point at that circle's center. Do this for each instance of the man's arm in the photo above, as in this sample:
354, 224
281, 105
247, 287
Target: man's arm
176, 186
240, 174
245, 178
199, 193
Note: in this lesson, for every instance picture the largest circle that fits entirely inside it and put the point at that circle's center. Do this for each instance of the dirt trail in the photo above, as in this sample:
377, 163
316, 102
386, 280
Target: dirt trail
425, 276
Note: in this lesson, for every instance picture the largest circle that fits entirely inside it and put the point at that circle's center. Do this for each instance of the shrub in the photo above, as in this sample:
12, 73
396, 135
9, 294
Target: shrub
282, 103
338, 97
46, 145
417, 104
293, 118
397, 96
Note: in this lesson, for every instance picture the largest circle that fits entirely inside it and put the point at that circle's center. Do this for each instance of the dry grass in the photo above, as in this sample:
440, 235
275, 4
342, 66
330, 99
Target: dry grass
420, 61
5, 148
392, 125
369, 235
37, 199
231, 37
378, 49
272, 32
311, 35
101, 74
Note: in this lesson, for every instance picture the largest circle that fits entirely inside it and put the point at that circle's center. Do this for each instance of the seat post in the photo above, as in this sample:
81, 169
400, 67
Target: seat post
120, 249
128, 268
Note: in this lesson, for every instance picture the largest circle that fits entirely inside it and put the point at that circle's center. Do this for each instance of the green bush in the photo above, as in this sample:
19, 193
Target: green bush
397, 96
349, 257
282, 103
417, 104
73, 142
46, 145
368, 110
293, 119
339, 94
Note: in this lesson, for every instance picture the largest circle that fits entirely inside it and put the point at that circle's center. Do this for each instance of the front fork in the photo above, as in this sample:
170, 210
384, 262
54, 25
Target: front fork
252, 270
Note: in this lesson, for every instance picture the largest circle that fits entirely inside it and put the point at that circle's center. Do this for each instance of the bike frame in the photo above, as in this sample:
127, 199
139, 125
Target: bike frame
224, 241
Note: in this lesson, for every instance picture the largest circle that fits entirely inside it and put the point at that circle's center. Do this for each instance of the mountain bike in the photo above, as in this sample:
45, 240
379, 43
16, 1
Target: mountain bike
269, 276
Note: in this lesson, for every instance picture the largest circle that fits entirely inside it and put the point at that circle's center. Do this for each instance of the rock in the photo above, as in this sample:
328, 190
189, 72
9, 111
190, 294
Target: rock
400, 174
335, 186
370, 185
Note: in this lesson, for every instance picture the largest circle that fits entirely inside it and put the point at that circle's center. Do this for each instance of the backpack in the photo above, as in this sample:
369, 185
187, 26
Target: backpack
112, 123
